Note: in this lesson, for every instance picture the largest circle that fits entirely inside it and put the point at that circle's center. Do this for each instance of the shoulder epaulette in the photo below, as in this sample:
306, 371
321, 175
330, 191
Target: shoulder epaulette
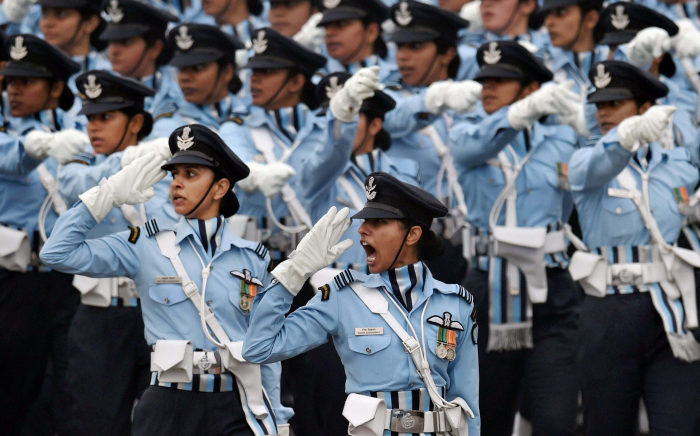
235, 119
468, 297
261, 251
151, 227
83, 158
393, 87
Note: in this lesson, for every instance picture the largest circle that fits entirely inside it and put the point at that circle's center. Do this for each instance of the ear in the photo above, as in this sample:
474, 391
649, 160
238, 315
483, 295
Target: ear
372, 32
222, 187
414, 235
156, 49
227, 73
448, 56
57, 89
591, 19
528, 7
90, 25
375, 126
296, 83
645, 107
529, 89
136, 124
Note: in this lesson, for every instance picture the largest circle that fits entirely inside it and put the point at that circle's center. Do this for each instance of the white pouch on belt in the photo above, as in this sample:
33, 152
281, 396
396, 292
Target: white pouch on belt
366, 415
173, 361
590, 270
524, 247
680, 264
15, 249
94, 292
457, 417
248, 375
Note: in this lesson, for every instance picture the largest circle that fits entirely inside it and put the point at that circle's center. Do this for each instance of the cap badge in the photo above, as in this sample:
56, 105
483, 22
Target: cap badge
185, 141
260, 43
183, 39
92, 88
330, 4
369, 189
18, 51
620, 20
602, 78
114, 11
333, 87
492, 55
403, 14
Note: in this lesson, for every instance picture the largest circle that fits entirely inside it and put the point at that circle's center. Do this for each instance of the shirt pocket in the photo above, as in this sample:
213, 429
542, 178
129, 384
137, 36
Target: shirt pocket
172, 315
620, 217
370, 361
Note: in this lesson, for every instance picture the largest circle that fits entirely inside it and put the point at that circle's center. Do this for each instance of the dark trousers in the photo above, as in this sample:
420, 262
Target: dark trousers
543, 382
172, 412
626, 356
35, 312
108, 369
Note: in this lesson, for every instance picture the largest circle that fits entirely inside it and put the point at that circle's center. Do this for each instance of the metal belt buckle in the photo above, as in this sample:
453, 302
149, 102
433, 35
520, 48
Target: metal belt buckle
407, 421
625, 277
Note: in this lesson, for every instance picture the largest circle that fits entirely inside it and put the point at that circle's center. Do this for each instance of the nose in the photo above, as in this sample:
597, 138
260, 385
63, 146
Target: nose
364, 229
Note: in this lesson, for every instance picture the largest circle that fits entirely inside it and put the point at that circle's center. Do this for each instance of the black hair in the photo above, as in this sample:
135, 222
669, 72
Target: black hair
308, 93
131, 112
442, 48
86, 13
235, 84
380, 48
382, 140
153, 35
430, 245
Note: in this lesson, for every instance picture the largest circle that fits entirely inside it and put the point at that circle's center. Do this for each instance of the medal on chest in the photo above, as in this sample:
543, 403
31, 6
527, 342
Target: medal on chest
682, 199
249, 288
563, 176
447, 335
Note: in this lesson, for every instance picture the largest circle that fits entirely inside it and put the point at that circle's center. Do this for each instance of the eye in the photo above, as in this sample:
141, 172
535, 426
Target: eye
191, 174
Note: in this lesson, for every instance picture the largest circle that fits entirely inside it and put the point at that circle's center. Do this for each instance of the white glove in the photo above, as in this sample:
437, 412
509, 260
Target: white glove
577, 120
311, 35
436, 95
318, 249
556, 99
158, 146
17, 10
62, 146
463, 96
649, 44
686, 43
645, 128
268, 179
345, 105
283, 429
132, 185
472, 12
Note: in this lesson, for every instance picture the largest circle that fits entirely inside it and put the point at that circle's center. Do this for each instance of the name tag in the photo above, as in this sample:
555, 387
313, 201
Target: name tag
369, 331
168, 279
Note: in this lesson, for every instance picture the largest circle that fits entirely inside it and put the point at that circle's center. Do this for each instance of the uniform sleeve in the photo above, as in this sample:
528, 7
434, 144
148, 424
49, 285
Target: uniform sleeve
464, 370
408, 116
472, 143
75, 178
238, 138
15, 161
68, 251
271, 374
594, 167
271, 337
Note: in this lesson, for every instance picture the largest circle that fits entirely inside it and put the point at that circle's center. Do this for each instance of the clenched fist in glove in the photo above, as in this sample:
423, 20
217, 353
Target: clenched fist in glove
644, 128
472, 13
17, 10
158, 146
268, 179
345, 105
62, 146
556, 99
132, 185
686, 44
318, 249
311, 35
649, 44
460, 96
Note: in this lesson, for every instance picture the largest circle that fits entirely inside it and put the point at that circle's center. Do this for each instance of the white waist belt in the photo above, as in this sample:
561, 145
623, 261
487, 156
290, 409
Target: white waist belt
636, 273
414, 421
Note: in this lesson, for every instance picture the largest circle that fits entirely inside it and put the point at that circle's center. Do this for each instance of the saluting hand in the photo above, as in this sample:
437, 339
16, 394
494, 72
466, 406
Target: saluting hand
62, 146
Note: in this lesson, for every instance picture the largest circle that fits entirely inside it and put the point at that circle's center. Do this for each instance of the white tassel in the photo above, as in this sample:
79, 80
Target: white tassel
509, 337
684, 347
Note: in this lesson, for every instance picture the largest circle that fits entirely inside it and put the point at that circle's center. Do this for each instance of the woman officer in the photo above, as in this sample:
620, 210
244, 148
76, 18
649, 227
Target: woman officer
361, 314
198, 376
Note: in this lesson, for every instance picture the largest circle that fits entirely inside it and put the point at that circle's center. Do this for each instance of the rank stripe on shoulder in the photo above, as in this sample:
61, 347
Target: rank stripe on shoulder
343, 279
134, 235
261, 251
151, 227
468, 297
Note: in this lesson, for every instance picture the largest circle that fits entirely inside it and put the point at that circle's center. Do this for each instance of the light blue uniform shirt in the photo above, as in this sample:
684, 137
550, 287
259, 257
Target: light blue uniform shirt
188, 113
167, 312
375, 363
191, 14
387, 65
612, 221
536, 37
168, 93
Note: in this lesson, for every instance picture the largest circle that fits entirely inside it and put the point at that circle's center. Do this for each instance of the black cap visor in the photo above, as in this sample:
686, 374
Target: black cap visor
118, 32
499, 71
25, 69
269, 62
667, 66
378, 210
618, 38
413, 34
195, 57
610, 94
341, 13
101, 107
191, 158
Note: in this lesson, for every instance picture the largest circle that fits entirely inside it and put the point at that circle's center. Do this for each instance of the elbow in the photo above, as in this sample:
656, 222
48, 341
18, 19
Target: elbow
254, 351
51, 257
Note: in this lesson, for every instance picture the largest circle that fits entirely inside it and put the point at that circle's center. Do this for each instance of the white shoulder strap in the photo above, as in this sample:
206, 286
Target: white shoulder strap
51, 185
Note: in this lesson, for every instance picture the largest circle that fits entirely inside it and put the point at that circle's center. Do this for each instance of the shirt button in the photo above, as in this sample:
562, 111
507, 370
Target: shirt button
529, 190
411, 385
653, 211
114, 220
525, 221
209, 302
490, 181
167, 300
369, 350
618, 211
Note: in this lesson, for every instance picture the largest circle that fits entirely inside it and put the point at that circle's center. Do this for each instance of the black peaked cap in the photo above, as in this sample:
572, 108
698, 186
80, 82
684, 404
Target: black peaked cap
417, 21
620, 22
275, 51
617, 80
196, 44
31, 56
102, 91
338, 10
132, 18
510, 60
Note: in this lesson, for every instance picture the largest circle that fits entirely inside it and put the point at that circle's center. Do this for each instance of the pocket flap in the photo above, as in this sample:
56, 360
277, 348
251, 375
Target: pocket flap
582, 264
11, 240
167, 294
170, 353
85, 284
361, 409
233, 350
530, 237
368, 345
